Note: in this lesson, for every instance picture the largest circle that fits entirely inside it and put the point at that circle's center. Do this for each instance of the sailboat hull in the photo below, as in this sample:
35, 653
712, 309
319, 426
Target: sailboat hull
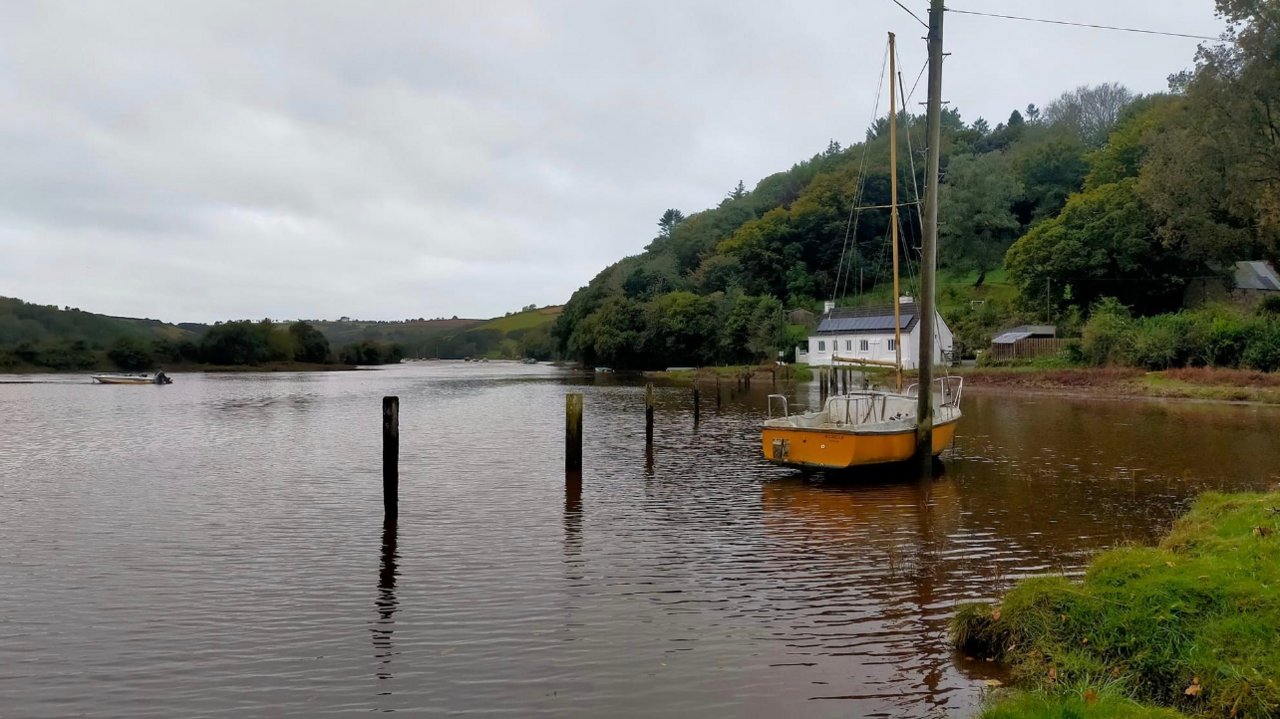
819, 448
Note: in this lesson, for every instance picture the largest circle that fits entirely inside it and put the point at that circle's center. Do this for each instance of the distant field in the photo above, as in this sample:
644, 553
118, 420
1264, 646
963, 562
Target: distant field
523, 320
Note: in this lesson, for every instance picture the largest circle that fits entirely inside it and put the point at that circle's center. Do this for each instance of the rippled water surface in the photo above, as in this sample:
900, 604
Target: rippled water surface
216, 547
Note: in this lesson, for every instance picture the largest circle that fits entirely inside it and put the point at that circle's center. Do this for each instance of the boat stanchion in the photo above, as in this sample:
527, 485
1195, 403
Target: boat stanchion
648, 414
391, 456
573, 432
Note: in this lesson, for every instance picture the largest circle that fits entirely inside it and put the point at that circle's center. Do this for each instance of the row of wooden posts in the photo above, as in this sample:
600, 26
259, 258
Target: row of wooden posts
572, 431
836, 380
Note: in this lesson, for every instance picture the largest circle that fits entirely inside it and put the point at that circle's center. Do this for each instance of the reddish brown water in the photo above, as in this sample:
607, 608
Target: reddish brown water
216, 547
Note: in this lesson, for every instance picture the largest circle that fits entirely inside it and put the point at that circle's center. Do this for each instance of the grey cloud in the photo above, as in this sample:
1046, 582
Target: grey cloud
202, 161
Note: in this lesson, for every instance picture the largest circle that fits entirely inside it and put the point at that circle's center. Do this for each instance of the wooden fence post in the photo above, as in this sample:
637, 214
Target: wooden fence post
391, 456
648, 414
573, 432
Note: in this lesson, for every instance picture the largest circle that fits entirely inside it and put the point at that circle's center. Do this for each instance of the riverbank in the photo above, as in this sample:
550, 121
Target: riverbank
1190, 624
1201, 383
191, 368
767, 373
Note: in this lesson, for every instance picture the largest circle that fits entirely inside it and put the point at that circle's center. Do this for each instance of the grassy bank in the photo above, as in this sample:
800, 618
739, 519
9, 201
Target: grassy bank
1192, 624
1200, 383
792, 373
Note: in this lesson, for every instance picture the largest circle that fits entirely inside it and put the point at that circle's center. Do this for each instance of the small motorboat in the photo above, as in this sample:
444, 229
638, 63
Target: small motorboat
132, 378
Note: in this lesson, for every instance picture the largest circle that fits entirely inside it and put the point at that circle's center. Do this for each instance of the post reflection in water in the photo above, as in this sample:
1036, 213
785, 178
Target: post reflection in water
387, 604
572, 513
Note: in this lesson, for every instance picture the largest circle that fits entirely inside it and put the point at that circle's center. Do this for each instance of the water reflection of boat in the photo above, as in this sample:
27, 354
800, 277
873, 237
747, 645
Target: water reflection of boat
869, 428
134, 378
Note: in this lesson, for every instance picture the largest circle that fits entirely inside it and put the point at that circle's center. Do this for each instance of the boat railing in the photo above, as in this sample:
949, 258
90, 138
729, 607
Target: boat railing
786, 410
949, 390
857, 408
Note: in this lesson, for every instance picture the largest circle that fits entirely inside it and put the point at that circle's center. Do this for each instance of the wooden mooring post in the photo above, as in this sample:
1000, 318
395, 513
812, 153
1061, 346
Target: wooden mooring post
572, 432
391, 456
648, 414
697, 405
718, 399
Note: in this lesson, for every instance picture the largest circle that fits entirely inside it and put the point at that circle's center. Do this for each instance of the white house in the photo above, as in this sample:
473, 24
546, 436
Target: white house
867, 333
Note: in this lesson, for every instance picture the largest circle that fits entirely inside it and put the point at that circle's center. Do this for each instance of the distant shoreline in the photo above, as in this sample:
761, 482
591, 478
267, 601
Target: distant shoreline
192, 369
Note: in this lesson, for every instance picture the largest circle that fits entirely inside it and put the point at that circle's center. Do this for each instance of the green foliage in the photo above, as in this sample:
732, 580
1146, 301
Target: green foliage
309, 344
1103, 244
1270, 305
1212, 336
131, 353
370, 352
976, 211
1191, 624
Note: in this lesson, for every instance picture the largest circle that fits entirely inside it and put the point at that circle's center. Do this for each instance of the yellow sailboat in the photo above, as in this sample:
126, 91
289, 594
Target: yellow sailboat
872, 427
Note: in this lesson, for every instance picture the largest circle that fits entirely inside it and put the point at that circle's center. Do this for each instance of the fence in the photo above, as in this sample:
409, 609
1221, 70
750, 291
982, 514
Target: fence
1027, 349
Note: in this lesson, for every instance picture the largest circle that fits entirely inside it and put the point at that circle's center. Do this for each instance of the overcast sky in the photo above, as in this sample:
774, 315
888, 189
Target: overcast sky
198, 161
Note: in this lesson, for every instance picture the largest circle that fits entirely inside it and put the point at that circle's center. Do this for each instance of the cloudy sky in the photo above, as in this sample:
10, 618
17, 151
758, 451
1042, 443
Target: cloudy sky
197, 161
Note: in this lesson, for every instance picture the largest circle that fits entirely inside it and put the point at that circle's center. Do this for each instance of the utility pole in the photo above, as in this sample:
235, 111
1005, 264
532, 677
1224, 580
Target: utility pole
929, 251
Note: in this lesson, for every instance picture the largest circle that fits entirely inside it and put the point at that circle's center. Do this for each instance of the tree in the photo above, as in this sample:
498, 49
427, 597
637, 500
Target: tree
1214, 178
981, 126
1033, 115
1103, 244
309, 344
131, 353
667, 223
833, 149
1090, 112
738, 192
977, 222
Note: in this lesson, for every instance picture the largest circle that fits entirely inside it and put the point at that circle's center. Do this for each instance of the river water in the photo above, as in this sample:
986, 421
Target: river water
216, 547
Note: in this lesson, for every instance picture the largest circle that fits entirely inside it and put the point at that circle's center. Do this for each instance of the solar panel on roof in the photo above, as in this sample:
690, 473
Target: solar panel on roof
863, 324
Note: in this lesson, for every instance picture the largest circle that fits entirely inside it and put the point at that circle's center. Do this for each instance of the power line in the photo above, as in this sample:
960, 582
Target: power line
917, 17
1079, 24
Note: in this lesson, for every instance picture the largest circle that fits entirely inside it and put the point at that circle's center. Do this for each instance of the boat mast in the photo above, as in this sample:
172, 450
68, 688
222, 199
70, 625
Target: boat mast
929, 250
893, 204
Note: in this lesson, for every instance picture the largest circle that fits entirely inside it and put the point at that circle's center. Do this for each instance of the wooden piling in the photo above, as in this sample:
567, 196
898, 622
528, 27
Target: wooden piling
648, 414
391, 456
572, 432
697, 406
747, 378
718, 398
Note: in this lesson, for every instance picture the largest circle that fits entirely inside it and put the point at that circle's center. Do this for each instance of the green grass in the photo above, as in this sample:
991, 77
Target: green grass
522, 320
1193, 624
1110, 703
954, 290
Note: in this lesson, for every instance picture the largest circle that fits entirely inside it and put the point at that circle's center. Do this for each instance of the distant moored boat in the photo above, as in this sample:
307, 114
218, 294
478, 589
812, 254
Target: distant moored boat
136, 378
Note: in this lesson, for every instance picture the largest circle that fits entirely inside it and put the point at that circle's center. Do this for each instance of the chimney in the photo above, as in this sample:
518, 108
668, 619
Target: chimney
828, 306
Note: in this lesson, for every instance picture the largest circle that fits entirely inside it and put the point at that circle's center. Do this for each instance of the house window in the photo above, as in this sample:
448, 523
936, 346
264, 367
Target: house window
848, 345
864, 345
893, 345
822, 346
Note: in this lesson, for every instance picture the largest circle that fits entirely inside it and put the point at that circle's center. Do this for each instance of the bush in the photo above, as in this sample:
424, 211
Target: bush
1217, 336
131, 353
1107, 338
1270, 305
1159, 342
370, 352
1263, 351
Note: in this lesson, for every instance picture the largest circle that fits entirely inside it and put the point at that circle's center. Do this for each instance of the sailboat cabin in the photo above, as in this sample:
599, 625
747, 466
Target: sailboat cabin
867, 333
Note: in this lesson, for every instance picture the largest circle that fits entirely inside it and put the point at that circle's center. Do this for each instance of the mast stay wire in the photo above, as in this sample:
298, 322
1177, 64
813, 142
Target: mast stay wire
859, 188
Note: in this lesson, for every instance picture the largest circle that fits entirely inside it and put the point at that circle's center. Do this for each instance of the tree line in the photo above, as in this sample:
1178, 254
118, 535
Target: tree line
242, 343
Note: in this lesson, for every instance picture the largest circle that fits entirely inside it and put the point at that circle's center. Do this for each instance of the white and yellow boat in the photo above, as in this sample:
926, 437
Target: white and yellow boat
136, 378
859, 428
870, 428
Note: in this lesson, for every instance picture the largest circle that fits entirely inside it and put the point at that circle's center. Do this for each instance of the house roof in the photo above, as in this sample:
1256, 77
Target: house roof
1256, 276
867, 320
1022, 332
